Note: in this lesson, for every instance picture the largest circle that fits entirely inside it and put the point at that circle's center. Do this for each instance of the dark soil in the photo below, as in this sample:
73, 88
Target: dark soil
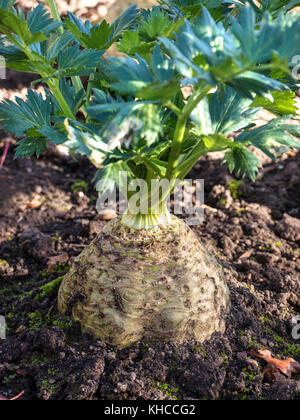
253, 230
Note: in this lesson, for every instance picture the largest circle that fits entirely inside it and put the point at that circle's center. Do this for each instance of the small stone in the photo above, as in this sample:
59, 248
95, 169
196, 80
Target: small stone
95, 227
122, 387
288, 228
109, 215
111, 356
102, 11
51, 338
132, 376
252, 364
58, 259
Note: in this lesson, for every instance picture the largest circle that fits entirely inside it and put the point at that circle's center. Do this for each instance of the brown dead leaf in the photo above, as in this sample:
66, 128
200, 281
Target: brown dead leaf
21, 329
35, 203
58, 259
246, 255
277, 367
272, 374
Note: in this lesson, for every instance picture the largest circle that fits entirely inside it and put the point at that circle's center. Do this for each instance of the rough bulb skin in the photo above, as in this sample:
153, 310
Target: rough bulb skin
161, 284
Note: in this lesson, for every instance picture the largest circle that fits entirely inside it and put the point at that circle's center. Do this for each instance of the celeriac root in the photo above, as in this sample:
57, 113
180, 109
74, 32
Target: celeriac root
161, 284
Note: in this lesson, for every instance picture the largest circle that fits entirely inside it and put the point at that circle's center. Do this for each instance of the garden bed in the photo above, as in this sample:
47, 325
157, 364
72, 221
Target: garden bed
47, 216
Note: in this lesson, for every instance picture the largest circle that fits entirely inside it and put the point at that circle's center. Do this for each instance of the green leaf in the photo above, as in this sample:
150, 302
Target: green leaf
258, 44
131, 124
72, 98
207, 37
124, 22
36, 29
38, 66
17, 117
95, 37
74, 61
166, 84
84, 143
30, 146
163, 67
192, 8
131, 44
54, 134
99, 37
242, 161
273, 138
12, 24
223, 112
73, 58
132, 75
191, 42
136, 77
40, 21
216, 142
108, 177
151, 127
207, 51
57, 44
274, 7
161, 91
6, 4
283, 103
11, 53
250, 83
155, 25
103, 114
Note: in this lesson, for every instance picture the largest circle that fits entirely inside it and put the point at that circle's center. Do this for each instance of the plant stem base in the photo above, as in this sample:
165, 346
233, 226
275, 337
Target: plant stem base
161, 284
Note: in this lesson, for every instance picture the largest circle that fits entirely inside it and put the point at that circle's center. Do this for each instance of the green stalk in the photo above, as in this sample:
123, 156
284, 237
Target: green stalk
173, 108
176, 146
146, 221
55, 13
56, 16
53, 85
157, 207
180, 130
158, 214
150, 165
155, 212
194, 100
89, 87
60, 99
188, 165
